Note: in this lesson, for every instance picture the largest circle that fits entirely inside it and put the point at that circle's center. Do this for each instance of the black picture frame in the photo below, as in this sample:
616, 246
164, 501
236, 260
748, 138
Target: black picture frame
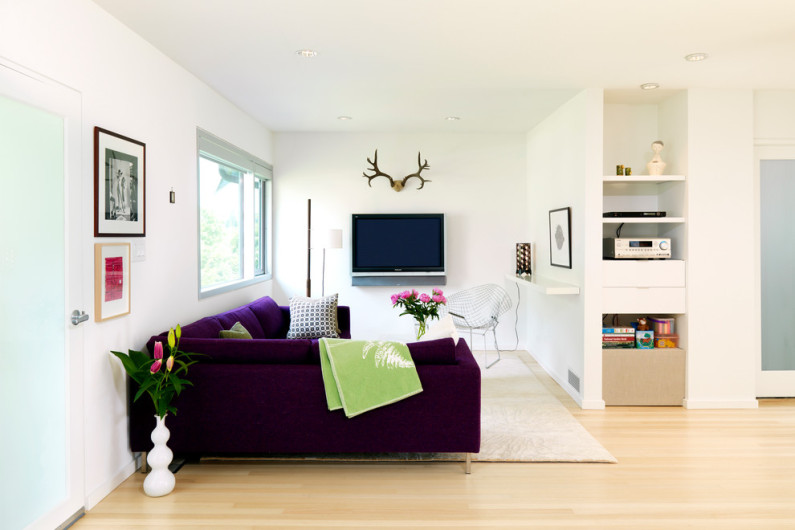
119, 185
560, 237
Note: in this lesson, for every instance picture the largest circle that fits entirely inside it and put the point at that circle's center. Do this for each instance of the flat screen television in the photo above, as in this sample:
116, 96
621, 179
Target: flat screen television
398, 244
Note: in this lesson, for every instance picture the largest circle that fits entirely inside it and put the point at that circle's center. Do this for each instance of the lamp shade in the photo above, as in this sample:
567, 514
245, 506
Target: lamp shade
327, 238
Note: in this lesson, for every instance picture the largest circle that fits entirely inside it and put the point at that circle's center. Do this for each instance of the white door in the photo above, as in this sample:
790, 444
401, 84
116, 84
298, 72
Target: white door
41, 351
776, 265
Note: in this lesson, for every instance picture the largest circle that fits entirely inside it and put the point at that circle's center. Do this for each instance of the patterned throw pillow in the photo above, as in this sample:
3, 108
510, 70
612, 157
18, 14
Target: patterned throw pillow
312, 318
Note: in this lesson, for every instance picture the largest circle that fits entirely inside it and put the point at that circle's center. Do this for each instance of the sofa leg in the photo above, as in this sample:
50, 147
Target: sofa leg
469, 464
143, 462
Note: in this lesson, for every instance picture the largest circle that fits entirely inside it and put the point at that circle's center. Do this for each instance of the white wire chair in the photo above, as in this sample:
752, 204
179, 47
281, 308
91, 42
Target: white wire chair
478, 310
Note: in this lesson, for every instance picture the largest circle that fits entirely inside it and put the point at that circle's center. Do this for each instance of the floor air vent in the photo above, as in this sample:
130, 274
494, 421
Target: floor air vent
574, 381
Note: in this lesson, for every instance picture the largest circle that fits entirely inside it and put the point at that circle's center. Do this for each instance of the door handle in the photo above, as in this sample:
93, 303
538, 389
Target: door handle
78, 317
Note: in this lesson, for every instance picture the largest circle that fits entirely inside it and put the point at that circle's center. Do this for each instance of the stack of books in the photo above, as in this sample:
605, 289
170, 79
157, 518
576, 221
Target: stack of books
618, 337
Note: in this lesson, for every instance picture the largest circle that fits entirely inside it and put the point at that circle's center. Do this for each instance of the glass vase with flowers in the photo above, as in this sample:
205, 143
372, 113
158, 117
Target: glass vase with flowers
420, 306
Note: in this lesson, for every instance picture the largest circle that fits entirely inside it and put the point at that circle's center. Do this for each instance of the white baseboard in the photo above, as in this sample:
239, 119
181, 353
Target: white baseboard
593, 404
99, 493
721, 404
562, 382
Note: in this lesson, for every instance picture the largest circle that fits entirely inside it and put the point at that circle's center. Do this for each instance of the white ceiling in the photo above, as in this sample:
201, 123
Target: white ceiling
501, 65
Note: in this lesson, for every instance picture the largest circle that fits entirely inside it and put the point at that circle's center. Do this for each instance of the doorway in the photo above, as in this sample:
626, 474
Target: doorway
776, 184
41, 352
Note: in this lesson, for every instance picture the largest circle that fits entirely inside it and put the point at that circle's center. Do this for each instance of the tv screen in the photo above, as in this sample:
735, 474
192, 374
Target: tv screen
398, 243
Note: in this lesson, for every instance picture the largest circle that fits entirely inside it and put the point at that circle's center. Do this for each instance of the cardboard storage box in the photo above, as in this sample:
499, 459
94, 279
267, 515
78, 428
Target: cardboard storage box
643, 377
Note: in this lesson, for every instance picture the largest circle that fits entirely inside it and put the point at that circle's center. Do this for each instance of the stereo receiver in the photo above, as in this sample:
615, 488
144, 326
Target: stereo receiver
636, 248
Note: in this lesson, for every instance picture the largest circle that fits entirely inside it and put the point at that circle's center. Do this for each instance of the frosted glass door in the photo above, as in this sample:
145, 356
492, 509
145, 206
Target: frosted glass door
777, 273
42, 466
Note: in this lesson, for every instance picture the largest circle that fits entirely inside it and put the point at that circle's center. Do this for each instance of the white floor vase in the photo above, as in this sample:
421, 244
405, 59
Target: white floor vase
160, 480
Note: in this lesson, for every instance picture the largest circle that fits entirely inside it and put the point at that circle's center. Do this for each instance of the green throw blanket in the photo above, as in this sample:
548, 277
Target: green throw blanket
361, 375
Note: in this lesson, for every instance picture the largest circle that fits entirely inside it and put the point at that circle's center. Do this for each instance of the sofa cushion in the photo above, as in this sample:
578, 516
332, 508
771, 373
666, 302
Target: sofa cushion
312, 318
439, 351
273, 351
245, 316
235, 332
206, 327
270, 317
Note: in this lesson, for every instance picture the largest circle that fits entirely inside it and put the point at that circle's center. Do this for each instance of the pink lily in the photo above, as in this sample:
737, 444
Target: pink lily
170, 363
158, 350
156, 366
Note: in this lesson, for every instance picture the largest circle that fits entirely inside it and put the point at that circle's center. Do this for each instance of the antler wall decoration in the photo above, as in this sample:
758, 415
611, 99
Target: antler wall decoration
397, 185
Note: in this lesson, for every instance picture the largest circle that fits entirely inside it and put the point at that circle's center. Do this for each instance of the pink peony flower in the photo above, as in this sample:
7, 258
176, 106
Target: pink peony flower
170, 363
395, 298
437, 298
156, 366
405, 294
424, 298
437, 291
158, 350
415, 293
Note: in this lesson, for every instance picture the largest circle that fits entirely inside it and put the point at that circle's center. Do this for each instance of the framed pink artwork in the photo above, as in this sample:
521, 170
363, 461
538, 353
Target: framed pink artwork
111, 280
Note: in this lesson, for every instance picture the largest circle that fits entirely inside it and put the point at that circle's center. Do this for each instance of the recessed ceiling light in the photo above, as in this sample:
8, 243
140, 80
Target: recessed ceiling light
344, 118
650, 86
453, 118
307, 53
695, 57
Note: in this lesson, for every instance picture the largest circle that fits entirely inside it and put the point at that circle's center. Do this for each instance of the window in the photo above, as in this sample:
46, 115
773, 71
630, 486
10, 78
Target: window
234, 216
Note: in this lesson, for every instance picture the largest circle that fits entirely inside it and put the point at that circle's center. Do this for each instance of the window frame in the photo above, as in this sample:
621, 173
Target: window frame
212, 148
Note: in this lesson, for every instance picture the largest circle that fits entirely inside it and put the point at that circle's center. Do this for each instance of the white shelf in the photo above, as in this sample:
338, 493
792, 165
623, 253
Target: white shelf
657, 179
644, 220
545, 285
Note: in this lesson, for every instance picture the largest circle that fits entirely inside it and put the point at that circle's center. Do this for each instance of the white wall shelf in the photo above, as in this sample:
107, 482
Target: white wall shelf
642, 220
545, 285
655, 179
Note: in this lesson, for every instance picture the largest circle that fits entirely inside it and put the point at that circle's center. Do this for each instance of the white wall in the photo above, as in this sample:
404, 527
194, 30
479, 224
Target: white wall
132, 89
564, 162
476, 179
774, 116
720, 365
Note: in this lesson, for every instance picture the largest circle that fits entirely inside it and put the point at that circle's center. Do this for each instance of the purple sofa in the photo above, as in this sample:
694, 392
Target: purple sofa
265, 395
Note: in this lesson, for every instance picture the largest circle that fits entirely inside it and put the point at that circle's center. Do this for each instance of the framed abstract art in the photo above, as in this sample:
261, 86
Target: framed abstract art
560, 237
111, 280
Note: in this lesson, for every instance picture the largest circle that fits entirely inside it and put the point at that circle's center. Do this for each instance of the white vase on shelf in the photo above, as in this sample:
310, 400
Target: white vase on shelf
160, 480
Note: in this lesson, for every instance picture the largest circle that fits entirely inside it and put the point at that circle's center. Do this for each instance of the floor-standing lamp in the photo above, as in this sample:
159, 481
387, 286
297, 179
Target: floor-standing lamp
329, 238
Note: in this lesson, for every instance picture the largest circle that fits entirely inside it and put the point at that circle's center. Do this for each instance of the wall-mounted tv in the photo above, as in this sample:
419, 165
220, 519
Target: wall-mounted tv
398, 244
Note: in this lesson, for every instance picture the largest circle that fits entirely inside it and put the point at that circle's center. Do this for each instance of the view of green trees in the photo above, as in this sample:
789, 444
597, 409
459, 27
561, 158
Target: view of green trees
220, 249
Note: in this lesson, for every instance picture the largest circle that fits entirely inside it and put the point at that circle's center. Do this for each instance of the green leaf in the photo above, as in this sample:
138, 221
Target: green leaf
140, 358
129, 365
145, 386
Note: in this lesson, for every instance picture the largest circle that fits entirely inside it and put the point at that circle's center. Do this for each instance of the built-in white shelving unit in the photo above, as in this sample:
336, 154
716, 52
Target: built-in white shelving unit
632, 288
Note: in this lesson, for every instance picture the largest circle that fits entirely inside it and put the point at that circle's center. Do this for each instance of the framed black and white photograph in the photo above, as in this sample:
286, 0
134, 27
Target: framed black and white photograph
119, 185
560, 237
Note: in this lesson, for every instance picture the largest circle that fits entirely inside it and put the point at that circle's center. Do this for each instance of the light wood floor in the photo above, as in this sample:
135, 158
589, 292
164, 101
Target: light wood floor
677, 468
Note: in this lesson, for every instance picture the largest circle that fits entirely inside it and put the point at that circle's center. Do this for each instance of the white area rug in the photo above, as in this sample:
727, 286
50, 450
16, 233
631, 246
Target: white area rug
521, 421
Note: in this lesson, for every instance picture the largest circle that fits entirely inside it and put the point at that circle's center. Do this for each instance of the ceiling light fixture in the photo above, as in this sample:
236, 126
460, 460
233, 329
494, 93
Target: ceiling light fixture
307, 53
696, 57
650, 86
453, 118
344, 118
